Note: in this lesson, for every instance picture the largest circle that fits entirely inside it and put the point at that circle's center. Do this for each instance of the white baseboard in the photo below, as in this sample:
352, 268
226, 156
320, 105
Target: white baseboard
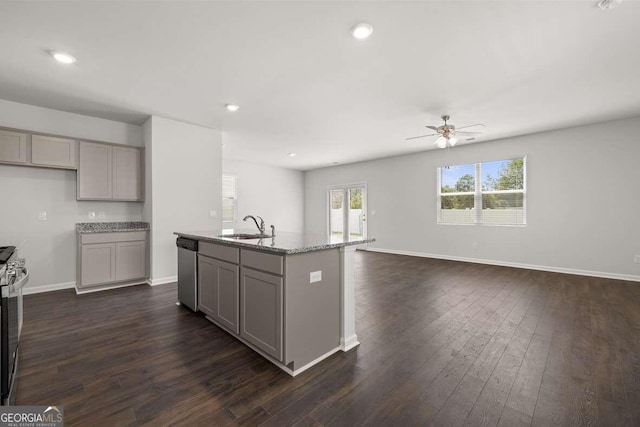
29, 290
108, 287
602, 274
348, 343
162, 281
283, 367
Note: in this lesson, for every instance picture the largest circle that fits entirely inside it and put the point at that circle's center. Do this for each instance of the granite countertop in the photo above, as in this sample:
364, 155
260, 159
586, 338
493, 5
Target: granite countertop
283, 242
110, 227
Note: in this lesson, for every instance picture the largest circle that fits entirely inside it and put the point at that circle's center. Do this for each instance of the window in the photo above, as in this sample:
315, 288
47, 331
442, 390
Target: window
229, 197
490, 193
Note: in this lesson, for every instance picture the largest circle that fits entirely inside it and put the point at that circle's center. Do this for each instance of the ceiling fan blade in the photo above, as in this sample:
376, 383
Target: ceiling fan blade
470, 126
421, 136
467, 133
432, 127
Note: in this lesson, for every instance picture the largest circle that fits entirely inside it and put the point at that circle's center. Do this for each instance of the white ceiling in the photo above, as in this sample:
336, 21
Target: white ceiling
306, 86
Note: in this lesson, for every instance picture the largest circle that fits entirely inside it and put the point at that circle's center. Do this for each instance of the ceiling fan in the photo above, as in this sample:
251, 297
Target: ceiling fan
446, 133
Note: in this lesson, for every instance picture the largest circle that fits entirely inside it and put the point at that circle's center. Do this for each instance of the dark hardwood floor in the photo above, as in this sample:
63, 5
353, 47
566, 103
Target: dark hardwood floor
442, 343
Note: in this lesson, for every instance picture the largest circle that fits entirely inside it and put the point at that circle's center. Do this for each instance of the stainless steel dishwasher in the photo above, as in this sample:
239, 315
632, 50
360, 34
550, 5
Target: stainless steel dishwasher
188, 272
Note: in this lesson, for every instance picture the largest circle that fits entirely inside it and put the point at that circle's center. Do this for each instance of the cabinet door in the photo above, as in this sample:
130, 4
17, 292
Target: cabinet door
218, 291
261, 308
95, 171
131, 260
127, 173
50, 151
98, 264
13, 147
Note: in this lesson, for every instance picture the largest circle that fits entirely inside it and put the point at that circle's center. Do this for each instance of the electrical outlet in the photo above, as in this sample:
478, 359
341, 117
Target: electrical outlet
101, 215
42, 216
475, 245
92, 215
315, 276
636, 259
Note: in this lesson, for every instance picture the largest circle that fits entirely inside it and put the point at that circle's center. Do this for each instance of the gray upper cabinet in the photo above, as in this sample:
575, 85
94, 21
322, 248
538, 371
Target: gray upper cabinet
13, 147
127, 173
95, 175
53, 151
218, 291
108, 172
261, 307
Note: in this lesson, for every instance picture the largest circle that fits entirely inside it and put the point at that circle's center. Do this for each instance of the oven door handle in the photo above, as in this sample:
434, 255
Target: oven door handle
23, 280
14, 287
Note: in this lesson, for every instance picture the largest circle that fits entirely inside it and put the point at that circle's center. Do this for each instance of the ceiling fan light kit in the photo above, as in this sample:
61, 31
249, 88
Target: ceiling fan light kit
446, 133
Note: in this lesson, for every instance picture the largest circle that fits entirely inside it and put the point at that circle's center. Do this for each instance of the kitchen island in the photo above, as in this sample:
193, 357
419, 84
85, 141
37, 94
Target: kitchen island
288, 297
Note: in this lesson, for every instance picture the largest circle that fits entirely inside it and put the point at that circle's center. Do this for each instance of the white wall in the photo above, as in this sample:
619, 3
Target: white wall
186, 176
49, 246
276, 194
583, 202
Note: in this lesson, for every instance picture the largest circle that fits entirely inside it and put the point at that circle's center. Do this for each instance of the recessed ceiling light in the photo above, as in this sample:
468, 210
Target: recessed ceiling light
362, 31
64, 58
608, 4
232, 107
292, 154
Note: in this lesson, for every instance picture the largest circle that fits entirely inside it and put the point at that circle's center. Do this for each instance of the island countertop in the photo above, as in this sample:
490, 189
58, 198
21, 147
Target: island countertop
283, 242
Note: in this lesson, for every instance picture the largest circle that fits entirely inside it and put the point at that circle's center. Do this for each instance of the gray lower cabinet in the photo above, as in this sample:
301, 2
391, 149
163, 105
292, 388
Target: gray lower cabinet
261, 307
112, 258
268, 299
131, 260
218, 291
13, 147
98, 264
53, 151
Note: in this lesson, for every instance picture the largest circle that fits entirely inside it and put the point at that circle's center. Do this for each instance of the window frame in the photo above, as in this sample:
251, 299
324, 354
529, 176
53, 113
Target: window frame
234, 198
478, 192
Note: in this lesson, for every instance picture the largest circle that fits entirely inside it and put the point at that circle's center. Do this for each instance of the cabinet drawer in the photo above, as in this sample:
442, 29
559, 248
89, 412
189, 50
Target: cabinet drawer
262, 261
224, 253
125, 236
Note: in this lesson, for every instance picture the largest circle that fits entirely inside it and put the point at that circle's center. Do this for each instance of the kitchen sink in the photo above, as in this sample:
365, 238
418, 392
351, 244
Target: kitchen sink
244, 236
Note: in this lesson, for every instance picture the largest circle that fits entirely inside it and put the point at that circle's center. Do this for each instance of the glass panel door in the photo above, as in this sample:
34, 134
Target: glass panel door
347, 212
336, 213
357, 213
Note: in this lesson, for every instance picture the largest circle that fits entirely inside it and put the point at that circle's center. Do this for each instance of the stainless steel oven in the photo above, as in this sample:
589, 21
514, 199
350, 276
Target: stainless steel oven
13, 276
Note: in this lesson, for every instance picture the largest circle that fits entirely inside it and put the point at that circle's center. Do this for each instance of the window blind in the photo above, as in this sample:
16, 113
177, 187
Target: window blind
229, 197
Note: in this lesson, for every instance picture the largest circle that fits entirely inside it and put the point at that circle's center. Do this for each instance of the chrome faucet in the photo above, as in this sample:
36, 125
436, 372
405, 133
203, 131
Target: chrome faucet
261, 226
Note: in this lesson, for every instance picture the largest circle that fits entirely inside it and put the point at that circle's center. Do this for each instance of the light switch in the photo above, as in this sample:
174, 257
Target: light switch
42, 216
315, 276
213, 214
